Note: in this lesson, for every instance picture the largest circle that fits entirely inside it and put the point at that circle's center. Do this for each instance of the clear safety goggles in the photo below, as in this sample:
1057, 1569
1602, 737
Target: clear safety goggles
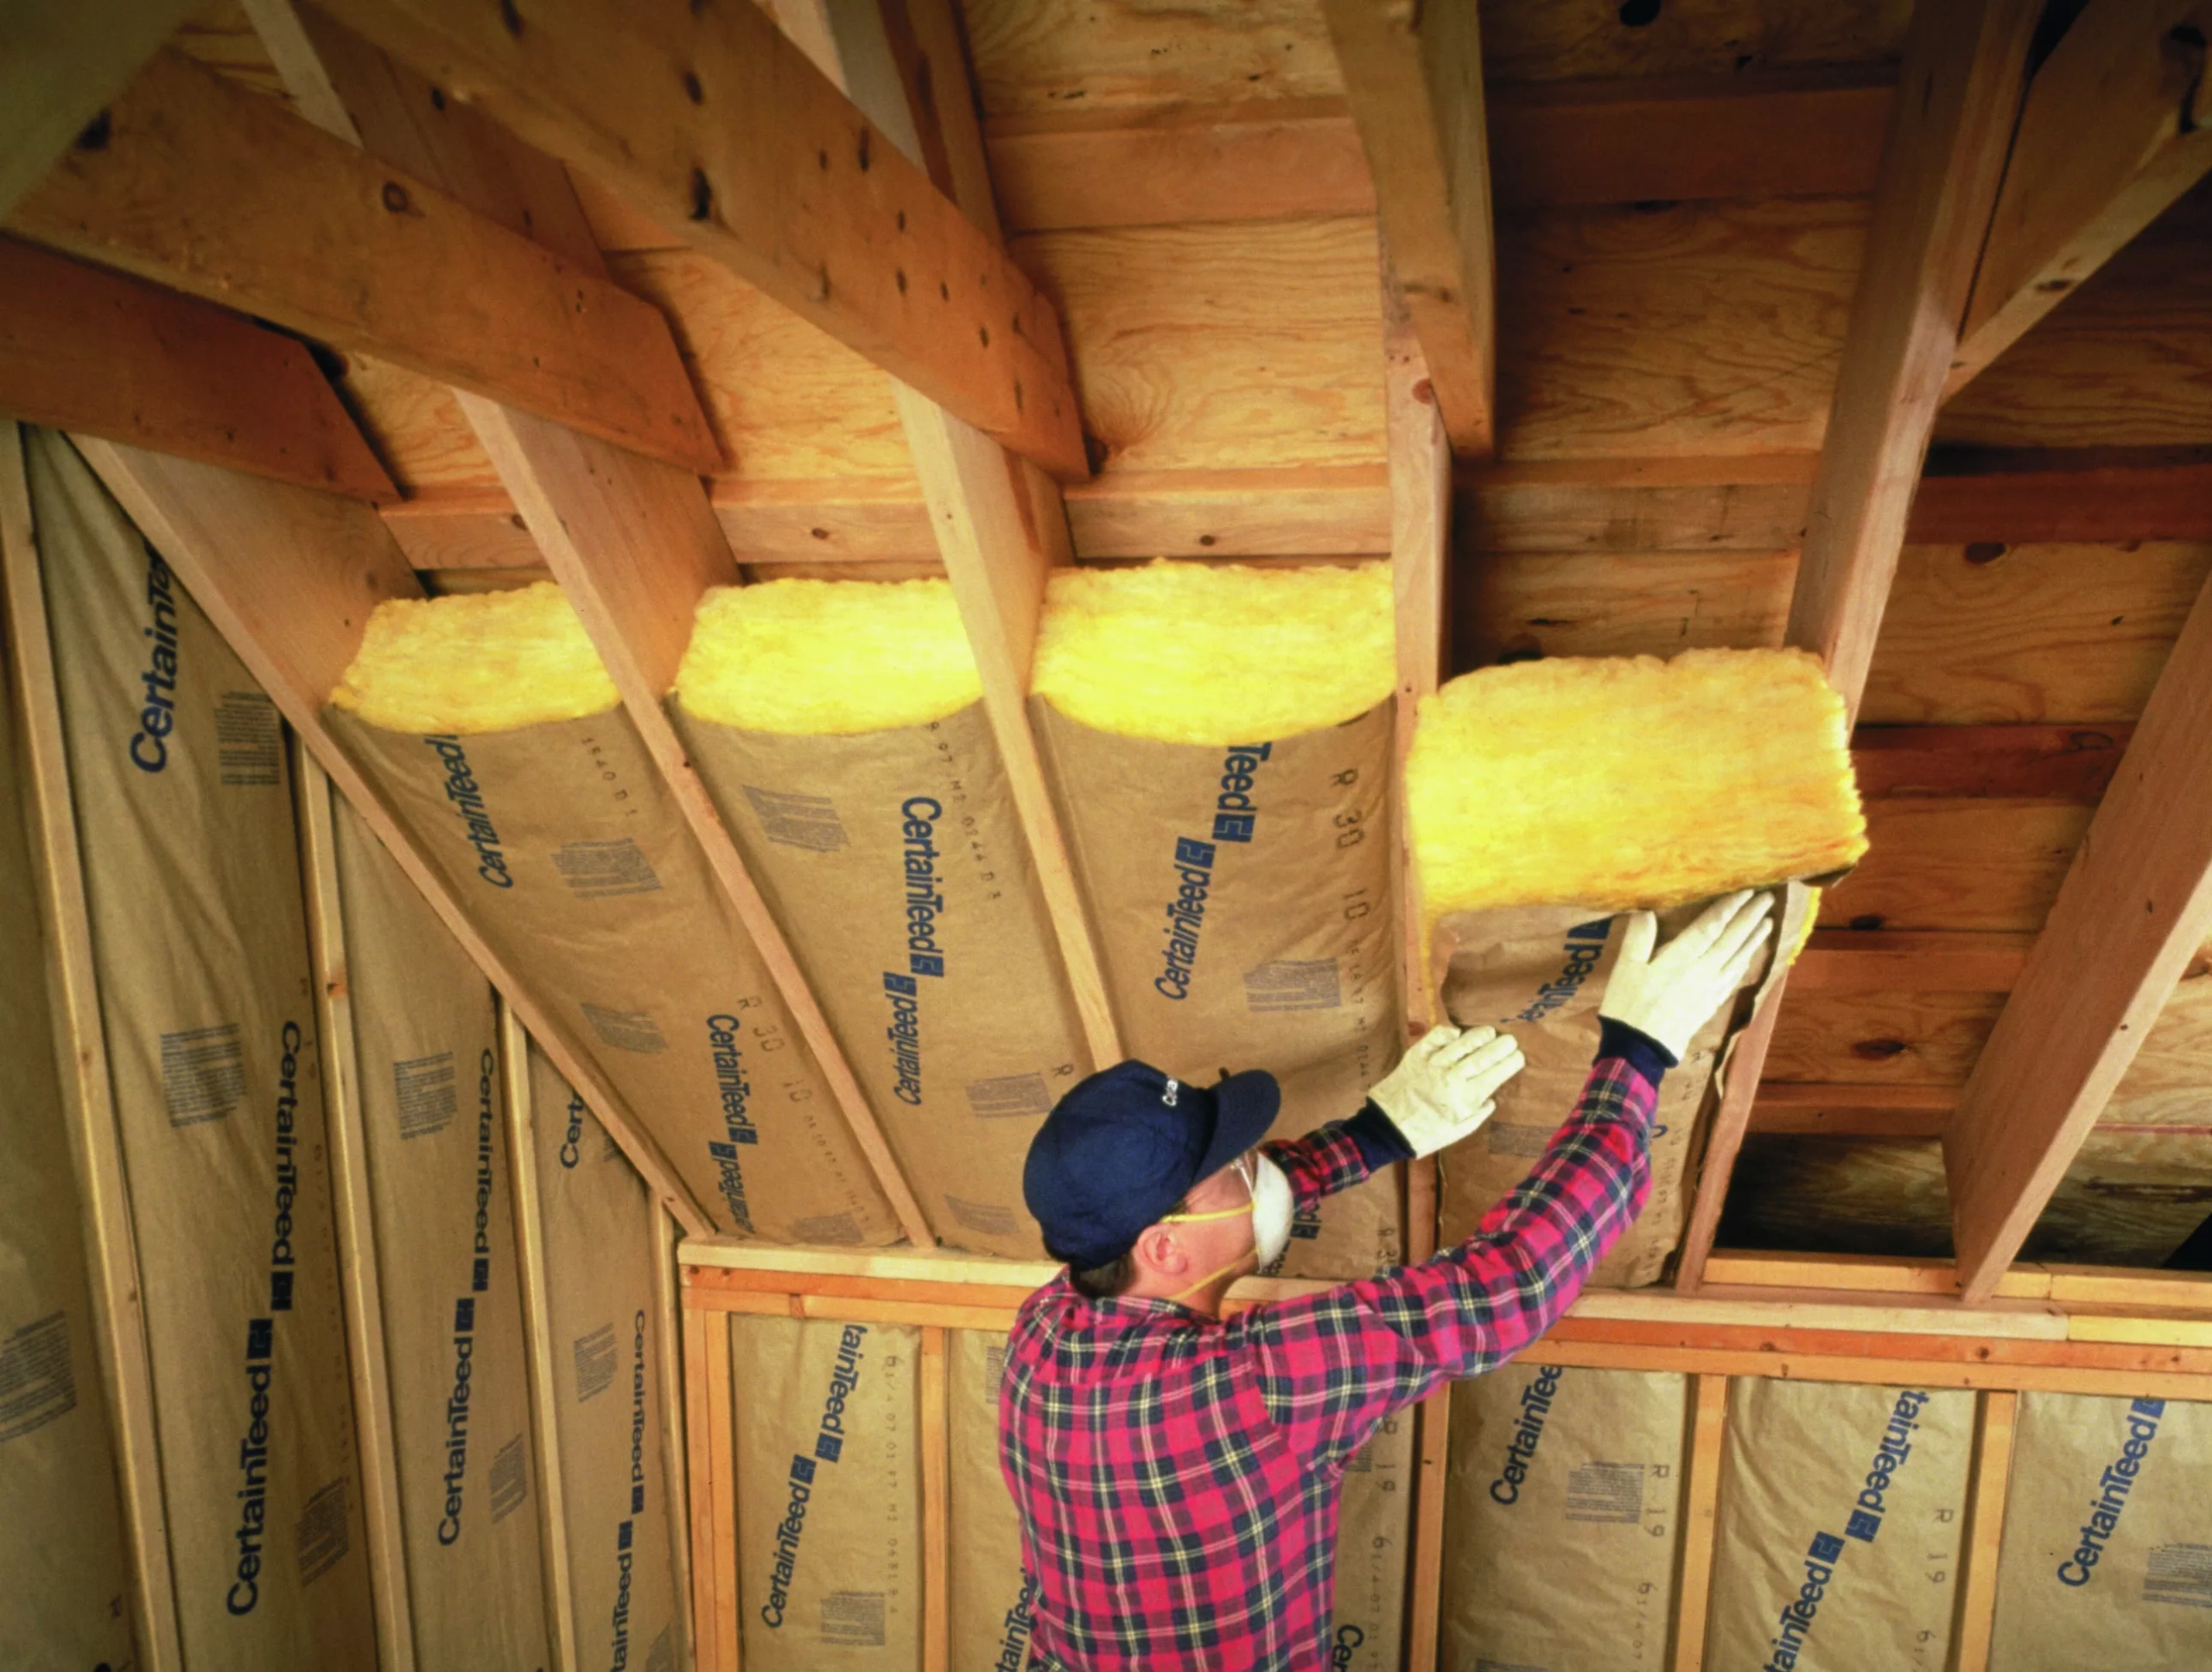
1246, 1167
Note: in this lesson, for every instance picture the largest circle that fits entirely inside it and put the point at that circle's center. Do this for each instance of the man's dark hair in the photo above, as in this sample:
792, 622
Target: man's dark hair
1104, 1282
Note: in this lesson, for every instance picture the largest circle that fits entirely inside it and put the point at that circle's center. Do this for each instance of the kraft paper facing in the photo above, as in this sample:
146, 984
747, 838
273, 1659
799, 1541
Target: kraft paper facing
829, 1494
1289, 963
566, 848
896, 865
184, 811
426, 1051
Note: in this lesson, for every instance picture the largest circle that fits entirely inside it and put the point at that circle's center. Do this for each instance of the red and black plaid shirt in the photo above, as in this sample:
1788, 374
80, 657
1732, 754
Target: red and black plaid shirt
1178, 1476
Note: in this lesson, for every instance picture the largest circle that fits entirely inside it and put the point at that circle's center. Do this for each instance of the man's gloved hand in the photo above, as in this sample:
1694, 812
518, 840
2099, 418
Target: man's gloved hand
1667, 998
1442, 1088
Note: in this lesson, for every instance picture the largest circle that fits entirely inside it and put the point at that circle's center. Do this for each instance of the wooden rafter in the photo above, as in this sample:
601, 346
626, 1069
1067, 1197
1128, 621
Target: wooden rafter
711, 124
2137, 902
60, 61
997, 522
631, 539
83, 349
1942, 160
1415, 76
2118, 123
219, 192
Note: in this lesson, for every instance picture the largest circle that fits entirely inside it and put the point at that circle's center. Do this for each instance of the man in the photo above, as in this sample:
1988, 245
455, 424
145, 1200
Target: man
1178, 1476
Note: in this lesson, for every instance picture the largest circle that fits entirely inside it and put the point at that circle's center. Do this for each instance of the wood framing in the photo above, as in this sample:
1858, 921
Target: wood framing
1414, 75
712, 124
2037, 763
2118, 123
65, 58
634, 545
1991, 1472
289, 577
2137, 902
539, 1346
82, 349
88, 1095
1738, 1081
359, 1276
2065, 499
1893, 960
219, 192
1700, 1511
937, 1506
1853, 1112
1942, 160
675, 1430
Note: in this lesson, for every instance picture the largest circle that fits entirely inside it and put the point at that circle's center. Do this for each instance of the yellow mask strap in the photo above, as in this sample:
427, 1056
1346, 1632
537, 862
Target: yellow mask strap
1200, 1218
1219, 1271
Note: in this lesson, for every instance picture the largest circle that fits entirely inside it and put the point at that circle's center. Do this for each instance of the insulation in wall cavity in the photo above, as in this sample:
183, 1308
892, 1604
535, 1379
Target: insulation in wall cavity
601, 1235
992, 1602
829, 1494
435, 1140
184, 813
1529, 849
2106, 1559
1840, 1526
1562, 1514
2130, 1199
838, 728
65, 1601
488, 723
1373, 1541
1239, 880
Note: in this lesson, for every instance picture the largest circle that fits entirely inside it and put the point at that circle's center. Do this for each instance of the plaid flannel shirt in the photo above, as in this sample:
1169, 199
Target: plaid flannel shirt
1178, 1476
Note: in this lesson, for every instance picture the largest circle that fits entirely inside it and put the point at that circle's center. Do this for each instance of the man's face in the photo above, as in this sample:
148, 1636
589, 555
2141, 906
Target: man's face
1216, 1242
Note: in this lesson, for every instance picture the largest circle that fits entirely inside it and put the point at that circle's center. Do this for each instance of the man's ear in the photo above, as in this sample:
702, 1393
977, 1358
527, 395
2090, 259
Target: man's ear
1159, 1250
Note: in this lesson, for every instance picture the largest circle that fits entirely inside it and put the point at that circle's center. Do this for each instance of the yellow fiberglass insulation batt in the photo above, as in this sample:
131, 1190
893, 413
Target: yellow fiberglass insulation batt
474, 663
1188, 652
824, 658
1629, 781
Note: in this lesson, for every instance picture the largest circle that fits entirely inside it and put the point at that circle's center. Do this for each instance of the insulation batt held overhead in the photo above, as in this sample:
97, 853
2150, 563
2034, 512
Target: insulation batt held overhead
839, 727
489, 723
1218, 740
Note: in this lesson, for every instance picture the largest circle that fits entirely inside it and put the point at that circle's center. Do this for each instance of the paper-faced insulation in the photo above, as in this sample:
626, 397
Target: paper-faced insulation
183, 802
488, 723
1218, 742
837, 726
66, 1601
434, 1137
1546, 799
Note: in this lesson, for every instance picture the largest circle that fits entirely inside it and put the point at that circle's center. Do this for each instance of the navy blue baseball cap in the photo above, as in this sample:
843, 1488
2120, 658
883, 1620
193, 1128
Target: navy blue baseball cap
1119, 1150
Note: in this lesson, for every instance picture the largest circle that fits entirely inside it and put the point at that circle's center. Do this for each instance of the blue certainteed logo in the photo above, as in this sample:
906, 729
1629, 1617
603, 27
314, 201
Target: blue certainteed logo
467, 798
1019, 1621
2113, 1487
150, 749
1528, 1429
1186, 917
829, 1445
1234, 815
253, 1467
1586, 944
924, 905
724, 1036
456, 1476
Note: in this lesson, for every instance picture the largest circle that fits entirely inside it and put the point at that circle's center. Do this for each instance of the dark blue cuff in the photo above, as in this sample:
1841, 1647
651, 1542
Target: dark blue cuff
1635, 1047
1379, 1140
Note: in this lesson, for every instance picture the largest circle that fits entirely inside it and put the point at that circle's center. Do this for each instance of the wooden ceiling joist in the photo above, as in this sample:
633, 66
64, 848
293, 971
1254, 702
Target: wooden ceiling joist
1941, 160
60, 61
1414, 75
1812, 1109
84, 349
289, 577
220, 192
2136, 904
709, 122
2117, 125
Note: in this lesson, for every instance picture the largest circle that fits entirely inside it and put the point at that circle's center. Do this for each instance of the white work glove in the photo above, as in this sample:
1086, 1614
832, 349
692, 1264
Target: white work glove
1669, 997
1443, 1087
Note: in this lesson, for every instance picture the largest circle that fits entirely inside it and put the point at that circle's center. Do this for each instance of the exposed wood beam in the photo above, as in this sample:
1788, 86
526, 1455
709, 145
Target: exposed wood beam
1898, 961
1853, 1112
1942, 159
2066, 499
223, 193
289, 576
2137, 902
84, 349
1991, 1473
997, 520
2029, 763
631, 539
87, 1091
1414, 74
708, 121
1701, 1503
60, 61
634, 545
2118, 123
1732, 1118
